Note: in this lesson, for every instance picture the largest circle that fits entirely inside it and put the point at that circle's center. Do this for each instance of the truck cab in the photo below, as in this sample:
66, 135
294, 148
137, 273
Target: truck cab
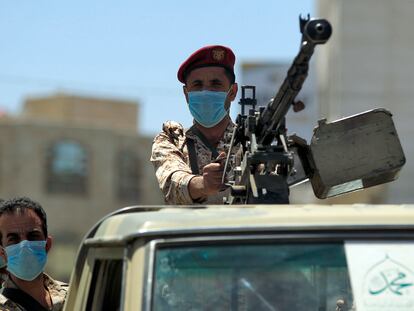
255, 257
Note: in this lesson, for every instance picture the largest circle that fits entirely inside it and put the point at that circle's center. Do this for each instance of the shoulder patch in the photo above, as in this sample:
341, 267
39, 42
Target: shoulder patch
63, 285
173, 128
174, 131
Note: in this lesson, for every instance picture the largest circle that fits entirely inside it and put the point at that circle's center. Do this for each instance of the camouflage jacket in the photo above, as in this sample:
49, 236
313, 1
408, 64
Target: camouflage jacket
172, 164
57, 290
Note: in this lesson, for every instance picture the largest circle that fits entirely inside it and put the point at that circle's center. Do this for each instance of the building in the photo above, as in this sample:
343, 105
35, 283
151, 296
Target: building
81, 158
366, 64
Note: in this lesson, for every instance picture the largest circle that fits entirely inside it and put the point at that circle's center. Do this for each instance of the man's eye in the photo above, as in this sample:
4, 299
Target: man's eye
34, 237
196, 84
217, 85
12, 240
196, 88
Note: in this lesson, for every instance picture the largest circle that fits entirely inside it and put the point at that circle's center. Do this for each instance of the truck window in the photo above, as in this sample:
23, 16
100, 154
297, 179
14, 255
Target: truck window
105, 291
252, 277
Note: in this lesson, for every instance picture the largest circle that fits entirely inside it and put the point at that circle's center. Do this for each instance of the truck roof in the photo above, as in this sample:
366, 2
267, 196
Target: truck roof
132, 222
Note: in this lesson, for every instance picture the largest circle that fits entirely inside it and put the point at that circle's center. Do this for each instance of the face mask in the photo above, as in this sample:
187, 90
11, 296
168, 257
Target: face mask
207, 107
27, 259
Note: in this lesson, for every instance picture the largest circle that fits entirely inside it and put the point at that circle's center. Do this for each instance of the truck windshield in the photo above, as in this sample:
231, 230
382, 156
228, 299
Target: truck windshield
252, 277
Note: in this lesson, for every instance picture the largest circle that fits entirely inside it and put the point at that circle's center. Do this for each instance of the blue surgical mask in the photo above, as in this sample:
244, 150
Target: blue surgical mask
27, 259
207, 107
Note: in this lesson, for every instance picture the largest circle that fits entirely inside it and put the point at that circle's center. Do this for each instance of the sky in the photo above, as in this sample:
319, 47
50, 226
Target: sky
131, 49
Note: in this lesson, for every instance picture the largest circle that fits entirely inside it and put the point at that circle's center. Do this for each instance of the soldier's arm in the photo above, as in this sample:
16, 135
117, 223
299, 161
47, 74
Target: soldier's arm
171, 168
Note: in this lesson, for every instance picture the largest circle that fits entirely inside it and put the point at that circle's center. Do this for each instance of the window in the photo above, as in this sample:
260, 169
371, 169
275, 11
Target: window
252, 277
128, 176
67, 168
105, 291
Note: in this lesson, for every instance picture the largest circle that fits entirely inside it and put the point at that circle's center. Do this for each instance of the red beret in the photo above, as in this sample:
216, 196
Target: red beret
212, 55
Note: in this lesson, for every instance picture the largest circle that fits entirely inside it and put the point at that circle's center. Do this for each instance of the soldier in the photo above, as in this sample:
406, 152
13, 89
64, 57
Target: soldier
24, 236
189, 164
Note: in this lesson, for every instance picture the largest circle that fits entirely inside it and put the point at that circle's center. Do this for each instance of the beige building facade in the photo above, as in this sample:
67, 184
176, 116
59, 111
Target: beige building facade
366, 64
79, 165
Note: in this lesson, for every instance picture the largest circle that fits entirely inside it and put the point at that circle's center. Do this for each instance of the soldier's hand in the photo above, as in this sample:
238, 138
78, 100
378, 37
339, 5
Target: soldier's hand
209, 182
212, 175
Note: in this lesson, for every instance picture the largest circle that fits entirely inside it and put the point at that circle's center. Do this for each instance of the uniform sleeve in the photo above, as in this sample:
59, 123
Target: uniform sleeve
171, 169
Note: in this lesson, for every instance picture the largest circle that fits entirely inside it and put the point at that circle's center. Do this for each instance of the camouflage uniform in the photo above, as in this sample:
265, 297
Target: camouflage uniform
57, 290
172, 164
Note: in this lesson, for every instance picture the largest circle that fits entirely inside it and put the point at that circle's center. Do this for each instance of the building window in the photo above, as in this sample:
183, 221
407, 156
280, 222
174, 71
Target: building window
67, 168
128, 176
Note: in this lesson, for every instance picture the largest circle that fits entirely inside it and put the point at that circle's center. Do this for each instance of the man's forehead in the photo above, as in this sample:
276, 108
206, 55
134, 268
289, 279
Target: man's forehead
207, 73
20, 219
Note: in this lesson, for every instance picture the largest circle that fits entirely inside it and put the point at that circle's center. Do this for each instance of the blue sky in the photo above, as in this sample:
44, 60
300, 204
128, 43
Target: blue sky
132, 49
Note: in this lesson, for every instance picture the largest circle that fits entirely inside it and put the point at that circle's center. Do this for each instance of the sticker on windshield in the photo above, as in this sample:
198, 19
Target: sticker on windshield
382, 275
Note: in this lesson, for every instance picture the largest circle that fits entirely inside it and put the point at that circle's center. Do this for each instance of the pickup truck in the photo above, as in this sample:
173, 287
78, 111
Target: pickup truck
264, 257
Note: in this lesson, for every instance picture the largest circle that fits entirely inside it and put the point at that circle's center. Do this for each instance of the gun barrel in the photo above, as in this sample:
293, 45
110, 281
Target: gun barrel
317, 30
314, 31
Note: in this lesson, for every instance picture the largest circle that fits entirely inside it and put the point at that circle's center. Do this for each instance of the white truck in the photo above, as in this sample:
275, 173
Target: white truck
265, 257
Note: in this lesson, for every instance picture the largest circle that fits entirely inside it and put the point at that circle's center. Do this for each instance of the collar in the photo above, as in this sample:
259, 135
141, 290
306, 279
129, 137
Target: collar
47, 281
226, 134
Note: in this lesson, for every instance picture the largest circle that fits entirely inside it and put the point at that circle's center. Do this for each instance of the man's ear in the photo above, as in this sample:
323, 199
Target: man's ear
49, 242
185, 93
233, 91
231, 95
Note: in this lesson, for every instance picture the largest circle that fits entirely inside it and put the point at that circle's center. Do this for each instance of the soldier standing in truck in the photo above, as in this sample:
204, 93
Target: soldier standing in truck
189, 164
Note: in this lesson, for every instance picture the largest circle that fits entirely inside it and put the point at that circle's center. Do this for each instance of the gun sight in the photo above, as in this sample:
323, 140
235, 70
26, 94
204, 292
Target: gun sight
248, 101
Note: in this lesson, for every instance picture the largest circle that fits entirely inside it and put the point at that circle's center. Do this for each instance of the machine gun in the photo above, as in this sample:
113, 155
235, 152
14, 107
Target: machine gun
266, 167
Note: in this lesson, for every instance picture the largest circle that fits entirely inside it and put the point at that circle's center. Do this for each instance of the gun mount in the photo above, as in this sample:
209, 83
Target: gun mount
267, 166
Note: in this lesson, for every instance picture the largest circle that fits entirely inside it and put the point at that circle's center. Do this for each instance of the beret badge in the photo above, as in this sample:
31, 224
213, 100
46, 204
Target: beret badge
218, 54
